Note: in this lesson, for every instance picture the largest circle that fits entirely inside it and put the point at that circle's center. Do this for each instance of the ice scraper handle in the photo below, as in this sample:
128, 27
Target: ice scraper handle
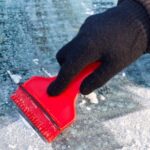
77, 80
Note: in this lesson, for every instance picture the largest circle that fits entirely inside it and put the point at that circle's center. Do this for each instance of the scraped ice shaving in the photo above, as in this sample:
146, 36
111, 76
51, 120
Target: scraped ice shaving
12, 146
93, 98
124, 74
15, 77
82, 103
88, 108
103, 98
36, 61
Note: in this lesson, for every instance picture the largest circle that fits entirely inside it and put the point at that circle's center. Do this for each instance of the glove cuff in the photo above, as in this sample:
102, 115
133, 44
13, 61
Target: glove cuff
140, 16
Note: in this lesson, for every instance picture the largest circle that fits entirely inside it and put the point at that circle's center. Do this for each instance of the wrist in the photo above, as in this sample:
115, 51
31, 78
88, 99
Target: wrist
139, 15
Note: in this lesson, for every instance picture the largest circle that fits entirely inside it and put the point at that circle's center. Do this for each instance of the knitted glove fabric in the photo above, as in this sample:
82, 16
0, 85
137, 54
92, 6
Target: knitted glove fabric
146, 5
116, 37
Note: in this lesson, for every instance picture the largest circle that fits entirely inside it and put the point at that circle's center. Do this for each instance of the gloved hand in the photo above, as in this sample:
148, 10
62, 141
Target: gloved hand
116, 37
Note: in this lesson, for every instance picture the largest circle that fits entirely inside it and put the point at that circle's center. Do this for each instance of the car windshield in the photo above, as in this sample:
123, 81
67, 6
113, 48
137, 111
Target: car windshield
31, 33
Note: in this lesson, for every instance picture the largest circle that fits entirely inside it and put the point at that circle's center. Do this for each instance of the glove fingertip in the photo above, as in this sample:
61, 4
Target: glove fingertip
53, 90
85, 88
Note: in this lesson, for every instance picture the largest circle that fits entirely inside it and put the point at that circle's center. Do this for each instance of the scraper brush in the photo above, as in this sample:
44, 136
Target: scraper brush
50, 115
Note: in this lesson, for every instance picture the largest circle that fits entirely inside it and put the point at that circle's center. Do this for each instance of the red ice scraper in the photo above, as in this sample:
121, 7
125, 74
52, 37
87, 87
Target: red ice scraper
50, 115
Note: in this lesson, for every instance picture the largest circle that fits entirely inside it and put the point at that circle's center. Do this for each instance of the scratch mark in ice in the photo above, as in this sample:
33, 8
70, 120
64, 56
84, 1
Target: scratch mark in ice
36, 61
24, 121
15, 77
46, 72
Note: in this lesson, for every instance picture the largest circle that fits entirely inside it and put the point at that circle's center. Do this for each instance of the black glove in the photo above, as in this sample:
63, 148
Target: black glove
116, 37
